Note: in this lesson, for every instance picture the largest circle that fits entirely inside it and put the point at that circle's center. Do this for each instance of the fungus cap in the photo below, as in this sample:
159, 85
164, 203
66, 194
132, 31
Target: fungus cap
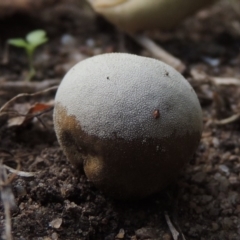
135, 15
131, 121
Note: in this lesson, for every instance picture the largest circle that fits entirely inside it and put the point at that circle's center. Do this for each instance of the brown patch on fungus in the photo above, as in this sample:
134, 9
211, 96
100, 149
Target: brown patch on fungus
124, 169
156, 114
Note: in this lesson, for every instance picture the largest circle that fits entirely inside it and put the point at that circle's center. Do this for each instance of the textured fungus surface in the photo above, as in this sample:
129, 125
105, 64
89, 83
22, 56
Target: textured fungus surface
116, 94
133, 122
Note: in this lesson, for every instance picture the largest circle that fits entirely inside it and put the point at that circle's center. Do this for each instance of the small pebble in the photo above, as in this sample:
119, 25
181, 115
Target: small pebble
233, 197
233, 179
213, 62
121, 234
90, 42
199, 177
145, 233
215, 226
54, 236
224, 184
68, 40
56, 223
21, 190
224, 169
227, 223
167, 236
205, 199
215, 142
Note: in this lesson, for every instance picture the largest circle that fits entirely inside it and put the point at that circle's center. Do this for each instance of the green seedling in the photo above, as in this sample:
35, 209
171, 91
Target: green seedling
32, 41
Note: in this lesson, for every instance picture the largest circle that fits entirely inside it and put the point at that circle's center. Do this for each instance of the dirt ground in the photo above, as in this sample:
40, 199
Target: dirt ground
54, 201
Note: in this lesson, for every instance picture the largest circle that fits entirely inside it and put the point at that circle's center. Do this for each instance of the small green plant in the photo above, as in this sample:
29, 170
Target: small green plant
32, 41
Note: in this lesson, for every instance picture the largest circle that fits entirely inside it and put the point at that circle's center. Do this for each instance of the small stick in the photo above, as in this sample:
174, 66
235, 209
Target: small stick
7, 104
159, 52
7, 200
225, 121
20, 173
27, 87
173, 230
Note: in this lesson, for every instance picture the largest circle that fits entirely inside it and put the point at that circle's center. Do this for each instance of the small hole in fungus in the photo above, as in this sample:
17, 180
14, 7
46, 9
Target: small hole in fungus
167, 73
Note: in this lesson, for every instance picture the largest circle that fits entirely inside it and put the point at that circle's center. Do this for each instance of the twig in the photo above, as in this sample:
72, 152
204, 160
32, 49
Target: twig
17, 87
225, 81
21, 95
173, 230
8, 201
217, 81
12, 176
225, 121
159, 52
20, 173
5, 57
41, 121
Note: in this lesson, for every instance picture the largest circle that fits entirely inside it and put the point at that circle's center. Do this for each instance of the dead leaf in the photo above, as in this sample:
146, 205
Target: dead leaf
33, 111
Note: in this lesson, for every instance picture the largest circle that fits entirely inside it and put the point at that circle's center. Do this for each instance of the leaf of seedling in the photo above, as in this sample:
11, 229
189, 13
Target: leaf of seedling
18, 42
36, 38
32, 41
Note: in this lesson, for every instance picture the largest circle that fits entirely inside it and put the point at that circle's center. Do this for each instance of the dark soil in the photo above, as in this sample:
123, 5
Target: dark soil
58, 202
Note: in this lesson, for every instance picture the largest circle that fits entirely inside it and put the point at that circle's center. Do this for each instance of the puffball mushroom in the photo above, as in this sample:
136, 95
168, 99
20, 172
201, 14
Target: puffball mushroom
131, 122
135, 15
132, 16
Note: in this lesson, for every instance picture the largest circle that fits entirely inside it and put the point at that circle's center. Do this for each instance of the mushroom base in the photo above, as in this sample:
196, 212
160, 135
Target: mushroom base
124, 169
